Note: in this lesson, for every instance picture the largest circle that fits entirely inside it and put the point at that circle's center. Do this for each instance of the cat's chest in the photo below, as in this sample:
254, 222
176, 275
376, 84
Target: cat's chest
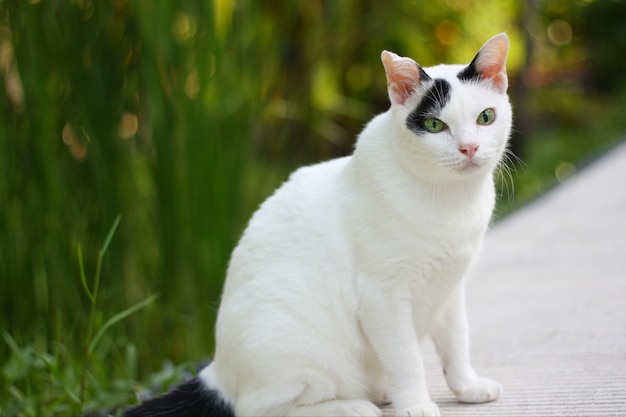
424, 240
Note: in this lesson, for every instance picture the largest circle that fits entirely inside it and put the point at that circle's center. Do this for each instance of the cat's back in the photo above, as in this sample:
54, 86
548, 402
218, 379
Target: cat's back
302, 200
296, 224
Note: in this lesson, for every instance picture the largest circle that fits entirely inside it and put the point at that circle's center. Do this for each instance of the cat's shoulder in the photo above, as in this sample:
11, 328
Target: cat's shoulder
320, 171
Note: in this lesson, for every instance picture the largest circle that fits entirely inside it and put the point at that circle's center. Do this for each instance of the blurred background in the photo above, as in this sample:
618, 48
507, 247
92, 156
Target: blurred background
182, 116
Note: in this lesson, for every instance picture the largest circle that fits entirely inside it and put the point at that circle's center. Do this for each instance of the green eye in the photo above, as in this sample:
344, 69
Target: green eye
433, 125
486, 117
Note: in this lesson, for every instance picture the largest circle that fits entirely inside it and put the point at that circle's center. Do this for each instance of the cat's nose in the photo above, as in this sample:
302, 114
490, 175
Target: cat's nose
468, 149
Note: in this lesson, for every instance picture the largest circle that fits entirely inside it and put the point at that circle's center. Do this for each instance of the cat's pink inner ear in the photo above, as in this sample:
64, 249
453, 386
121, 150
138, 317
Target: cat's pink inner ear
491, 61
403, 76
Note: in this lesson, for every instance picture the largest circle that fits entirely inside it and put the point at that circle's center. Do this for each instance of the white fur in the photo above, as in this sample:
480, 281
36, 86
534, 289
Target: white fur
351, 262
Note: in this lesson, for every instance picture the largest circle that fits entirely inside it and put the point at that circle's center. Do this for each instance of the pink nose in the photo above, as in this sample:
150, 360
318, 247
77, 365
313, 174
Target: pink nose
468, 149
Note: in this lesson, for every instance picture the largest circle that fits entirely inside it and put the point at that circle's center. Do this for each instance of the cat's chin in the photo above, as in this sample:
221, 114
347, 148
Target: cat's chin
469, 168
469, 171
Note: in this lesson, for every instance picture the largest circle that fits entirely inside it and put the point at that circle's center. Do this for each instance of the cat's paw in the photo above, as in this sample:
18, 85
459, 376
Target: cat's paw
423, 409
478, 390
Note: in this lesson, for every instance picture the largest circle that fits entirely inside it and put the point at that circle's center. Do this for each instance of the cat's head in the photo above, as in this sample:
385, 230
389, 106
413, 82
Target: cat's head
451, 121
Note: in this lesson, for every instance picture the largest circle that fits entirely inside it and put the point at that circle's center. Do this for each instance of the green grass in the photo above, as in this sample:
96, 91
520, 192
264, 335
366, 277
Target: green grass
56, 382
50, 383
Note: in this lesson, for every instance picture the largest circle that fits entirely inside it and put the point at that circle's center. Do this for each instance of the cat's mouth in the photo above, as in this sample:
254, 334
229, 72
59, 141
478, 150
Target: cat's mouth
469, 165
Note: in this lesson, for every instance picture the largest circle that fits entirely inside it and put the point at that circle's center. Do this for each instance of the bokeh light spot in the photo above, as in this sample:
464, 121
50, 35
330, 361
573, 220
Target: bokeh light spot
560, 32
128, 125
448, 32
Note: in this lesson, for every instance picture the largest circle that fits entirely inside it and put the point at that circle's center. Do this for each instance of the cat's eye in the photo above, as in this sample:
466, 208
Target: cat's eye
434, 125
486, 117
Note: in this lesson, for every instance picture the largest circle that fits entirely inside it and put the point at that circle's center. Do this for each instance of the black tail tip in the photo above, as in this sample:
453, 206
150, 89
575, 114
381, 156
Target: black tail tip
191, 399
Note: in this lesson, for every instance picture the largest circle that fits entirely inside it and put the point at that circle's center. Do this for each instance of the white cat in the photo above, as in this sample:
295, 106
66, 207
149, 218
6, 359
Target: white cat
351, 262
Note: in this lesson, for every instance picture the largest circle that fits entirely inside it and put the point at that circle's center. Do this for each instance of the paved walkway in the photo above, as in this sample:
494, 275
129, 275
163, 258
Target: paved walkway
547, 303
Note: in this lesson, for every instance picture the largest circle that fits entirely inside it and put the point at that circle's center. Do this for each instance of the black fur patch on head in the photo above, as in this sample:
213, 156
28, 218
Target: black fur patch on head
469, 73
433, 101
423, 76
191, 399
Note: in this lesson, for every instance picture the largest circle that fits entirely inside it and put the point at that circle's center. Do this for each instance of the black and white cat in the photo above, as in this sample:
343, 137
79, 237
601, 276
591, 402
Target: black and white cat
351, 262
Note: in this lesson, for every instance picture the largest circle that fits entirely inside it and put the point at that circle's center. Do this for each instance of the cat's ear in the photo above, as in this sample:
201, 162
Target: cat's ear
490, 63
403, 76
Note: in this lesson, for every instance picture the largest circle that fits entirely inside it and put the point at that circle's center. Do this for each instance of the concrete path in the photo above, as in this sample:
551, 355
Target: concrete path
547, 303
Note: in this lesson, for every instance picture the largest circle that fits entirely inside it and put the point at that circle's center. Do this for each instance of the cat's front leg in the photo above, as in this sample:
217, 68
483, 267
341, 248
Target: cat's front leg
451, 337
388, 325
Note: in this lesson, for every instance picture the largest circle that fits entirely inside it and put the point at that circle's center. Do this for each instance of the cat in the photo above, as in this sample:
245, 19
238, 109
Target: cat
351, 262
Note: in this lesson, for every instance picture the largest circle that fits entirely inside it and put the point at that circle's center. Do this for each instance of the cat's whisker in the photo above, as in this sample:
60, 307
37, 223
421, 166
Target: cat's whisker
505, 170
513, 159
502, 175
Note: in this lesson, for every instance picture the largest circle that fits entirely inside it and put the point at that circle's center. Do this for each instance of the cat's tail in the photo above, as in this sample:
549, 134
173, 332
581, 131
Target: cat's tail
191, 399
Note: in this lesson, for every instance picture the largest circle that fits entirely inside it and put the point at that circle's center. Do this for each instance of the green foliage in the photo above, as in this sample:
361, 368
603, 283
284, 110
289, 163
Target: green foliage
56, 383
605, 35
131, 107
48, 383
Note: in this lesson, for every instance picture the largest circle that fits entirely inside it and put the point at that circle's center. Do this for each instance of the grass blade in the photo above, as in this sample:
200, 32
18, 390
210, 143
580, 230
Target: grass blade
117, 318
105, 245
83, 278
11, 343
